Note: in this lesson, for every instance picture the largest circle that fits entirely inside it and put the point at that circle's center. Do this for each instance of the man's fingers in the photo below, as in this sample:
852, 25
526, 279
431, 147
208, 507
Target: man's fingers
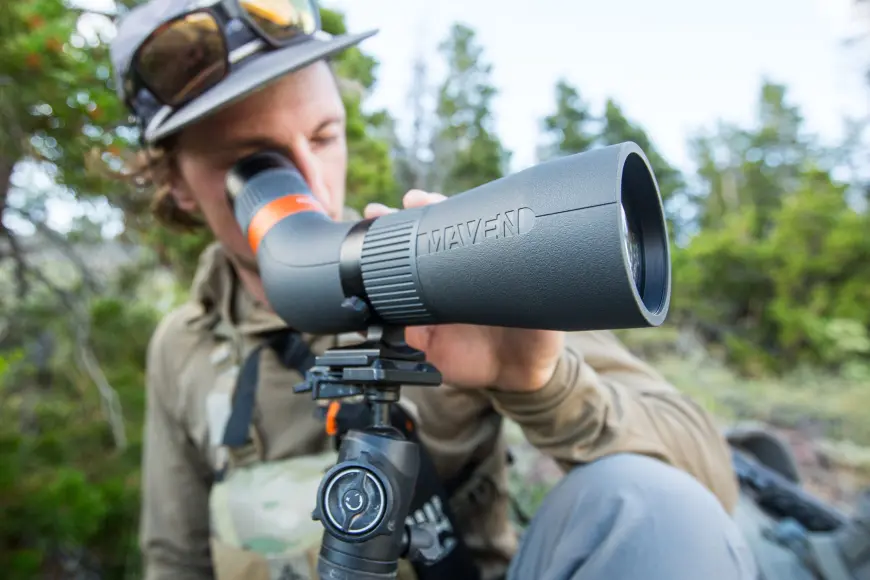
419, 337
418, 198
374, 210
414, 198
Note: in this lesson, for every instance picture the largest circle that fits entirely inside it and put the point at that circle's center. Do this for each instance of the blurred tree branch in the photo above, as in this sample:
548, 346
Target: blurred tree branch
56, 104
61, 243
79, 322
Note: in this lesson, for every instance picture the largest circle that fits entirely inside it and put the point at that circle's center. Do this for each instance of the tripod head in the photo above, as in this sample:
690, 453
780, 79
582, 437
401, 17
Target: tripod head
363, 501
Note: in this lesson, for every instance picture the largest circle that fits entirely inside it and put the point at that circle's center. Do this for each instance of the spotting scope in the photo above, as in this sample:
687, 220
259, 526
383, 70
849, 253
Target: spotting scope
577, 243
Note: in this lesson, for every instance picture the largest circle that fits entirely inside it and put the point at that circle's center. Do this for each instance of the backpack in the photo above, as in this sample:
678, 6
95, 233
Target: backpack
793, 535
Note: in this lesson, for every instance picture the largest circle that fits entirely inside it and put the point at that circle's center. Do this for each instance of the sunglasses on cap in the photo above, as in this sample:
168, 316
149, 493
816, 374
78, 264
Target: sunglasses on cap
194, 51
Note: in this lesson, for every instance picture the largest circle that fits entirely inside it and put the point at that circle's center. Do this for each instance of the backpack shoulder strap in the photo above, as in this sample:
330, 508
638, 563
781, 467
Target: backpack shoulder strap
240, 436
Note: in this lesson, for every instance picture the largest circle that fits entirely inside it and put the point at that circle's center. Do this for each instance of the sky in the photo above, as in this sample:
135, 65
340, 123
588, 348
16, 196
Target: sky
675, 66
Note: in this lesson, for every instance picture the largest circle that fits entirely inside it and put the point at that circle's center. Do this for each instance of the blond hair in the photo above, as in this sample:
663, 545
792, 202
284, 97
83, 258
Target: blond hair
152, 170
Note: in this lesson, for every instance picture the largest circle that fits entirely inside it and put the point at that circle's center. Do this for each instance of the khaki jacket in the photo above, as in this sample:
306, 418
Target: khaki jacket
601, 400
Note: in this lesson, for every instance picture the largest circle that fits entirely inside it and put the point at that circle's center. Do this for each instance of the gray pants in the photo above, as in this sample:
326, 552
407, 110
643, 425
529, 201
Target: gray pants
630, 517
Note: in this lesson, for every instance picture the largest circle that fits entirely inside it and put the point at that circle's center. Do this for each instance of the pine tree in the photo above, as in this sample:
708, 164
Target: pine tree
570, 128
467, 152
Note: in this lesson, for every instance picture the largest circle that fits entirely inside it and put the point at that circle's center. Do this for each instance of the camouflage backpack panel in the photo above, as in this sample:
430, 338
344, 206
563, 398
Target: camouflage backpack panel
261, 521
261, 514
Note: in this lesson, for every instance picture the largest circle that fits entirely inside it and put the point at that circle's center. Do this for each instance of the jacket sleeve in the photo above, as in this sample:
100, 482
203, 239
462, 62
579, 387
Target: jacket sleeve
174, 527
604, 400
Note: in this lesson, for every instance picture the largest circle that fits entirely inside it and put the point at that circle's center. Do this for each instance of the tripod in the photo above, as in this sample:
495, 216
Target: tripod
363, 501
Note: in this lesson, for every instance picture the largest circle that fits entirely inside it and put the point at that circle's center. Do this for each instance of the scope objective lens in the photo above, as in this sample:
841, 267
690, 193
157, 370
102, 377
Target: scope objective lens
634, 249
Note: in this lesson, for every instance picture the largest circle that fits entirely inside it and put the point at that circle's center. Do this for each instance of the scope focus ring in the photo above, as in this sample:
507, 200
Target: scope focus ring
354, 501
387, 265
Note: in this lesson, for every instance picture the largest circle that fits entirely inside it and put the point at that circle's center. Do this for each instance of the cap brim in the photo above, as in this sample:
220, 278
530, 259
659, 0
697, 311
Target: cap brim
254, 74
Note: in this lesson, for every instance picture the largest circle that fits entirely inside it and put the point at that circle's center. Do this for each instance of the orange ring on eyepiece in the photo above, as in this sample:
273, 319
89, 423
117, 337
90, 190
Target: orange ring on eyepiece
276, 210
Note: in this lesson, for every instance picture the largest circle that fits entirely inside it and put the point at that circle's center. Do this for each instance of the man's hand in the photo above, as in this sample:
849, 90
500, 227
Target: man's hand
475, 357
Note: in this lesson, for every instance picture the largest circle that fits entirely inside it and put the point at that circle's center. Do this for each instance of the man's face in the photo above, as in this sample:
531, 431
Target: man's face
301, 115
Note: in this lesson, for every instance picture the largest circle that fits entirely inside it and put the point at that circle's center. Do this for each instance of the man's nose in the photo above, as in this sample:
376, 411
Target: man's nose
307, 163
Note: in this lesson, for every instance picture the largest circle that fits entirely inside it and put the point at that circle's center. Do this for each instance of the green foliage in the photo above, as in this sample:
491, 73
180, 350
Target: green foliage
570, 128
63, 484
177, 250
56, 100
754, 167
370, 170
468, 152
831, 403
779, 270
63, 487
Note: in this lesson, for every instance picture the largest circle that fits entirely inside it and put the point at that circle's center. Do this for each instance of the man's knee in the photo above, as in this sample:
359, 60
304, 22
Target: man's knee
642, 482
628, 515
635, 496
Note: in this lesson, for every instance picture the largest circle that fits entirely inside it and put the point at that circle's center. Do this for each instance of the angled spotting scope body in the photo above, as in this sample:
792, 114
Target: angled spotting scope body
577, 243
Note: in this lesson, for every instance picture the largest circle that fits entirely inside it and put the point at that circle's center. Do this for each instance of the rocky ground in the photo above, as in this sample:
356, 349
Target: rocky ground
835, 472
828, 471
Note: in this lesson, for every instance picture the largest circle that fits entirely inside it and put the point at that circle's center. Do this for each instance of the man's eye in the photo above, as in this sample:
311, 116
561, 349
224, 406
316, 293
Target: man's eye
324, 140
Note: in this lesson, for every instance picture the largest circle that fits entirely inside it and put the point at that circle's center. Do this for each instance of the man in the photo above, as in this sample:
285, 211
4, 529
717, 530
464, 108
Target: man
648, 482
